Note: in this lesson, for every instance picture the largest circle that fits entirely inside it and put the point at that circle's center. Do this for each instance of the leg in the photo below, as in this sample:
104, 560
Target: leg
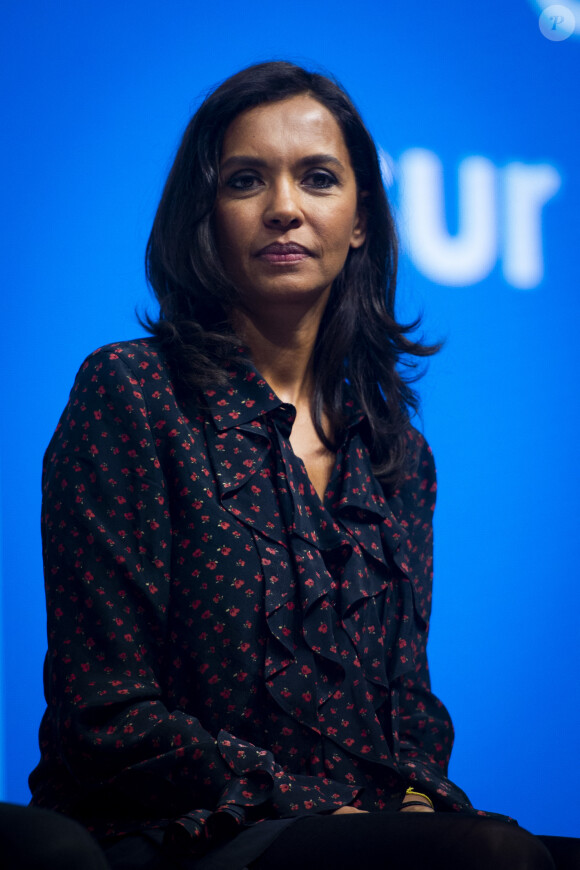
407, 841
139, 851
565, 851
32, 839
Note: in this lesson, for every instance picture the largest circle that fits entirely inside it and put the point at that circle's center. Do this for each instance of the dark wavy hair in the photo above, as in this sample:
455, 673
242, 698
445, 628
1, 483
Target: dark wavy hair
359, 337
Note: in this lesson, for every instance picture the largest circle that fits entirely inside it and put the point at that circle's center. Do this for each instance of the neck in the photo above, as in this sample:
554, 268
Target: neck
282, 349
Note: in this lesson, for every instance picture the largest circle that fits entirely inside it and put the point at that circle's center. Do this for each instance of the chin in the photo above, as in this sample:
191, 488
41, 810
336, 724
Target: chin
286, 294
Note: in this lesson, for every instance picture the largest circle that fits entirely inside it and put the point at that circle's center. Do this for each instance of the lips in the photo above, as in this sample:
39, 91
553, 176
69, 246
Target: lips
291, 252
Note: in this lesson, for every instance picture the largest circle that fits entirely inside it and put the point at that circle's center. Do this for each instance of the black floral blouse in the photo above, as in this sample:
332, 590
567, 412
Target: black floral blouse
223, 647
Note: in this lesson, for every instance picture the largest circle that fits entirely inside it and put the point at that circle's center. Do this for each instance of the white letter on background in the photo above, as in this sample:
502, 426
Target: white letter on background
470, 255
526, 190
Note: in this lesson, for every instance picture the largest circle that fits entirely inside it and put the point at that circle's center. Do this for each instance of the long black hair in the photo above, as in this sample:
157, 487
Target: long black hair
359, 337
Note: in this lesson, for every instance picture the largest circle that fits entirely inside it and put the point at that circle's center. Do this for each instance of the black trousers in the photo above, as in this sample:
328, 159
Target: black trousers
382, 841
32, 839
415, 841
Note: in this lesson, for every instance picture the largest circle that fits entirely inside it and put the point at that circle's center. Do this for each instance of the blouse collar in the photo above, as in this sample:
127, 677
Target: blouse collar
247, 396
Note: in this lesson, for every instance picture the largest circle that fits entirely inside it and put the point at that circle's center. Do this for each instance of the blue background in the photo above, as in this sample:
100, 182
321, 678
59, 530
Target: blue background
97, 95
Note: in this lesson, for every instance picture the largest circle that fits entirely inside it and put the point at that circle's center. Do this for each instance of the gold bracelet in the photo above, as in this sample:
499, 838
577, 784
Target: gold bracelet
411, 790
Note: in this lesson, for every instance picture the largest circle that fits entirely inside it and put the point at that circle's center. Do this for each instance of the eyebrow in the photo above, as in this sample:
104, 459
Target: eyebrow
260, 163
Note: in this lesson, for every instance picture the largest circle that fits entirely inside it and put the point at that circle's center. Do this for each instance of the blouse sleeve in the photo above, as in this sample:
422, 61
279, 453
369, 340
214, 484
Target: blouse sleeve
426, 730
107, 546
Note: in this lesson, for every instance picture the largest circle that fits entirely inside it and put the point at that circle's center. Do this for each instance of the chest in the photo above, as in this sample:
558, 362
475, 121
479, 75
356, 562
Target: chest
317, 458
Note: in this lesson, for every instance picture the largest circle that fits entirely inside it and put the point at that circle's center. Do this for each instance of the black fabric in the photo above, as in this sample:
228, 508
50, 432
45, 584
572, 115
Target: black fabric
154, 850
383, 841
415, 841
32, 839
565, 851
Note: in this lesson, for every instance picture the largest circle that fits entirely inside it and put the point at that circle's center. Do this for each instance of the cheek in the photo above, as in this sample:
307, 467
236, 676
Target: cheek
339, 226
229, 231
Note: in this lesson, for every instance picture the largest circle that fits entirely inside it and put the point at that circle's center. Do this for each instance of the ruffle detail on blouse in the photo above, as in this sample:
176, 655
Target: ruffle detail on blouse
327, 664
337, 584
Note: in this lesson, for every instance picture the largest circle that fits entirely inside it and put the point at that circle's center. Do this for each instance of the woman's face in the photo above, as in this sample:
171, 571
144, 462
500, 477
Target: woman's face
287, 210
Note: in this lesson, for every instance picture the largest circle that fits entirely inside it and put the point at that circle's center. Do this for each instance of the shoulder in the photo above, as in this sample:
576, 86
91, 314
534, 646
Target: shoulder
124, 392
138, 363
122, 380
138, 355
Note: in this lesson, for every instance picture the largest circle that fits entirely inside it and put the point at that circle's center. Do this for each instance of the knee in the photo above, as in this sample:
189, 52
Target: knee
72, 851
503, 846
34, 839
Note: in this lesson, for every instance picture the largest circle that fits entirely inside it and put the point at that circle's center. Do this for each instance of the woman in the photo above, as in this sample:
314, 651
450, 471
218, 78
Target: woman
237, 528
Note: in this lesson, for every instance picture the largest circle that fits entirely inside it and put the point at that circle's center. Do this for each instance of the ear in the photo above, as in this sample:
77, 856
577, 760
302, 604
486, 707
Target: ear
359, 230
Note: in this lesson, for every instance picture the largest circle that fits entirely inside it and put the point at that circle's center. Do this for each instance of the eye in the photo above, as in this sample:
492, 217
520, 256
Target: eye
243, 181
321, 179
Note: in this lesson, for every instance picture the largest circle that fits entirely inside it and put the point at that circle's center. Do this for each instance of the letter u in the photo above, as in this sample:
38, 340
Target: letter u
468, 256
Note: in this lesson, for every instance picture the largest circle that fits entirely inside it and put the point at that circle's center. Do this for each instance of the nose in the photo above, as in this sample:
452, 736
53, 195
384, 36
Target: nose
283, 209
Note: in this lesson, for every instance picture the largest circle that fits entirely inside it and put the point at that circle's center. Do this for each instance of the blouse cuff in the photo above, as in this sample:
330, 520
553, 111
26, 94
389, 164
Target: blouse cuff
258, 789
444, 793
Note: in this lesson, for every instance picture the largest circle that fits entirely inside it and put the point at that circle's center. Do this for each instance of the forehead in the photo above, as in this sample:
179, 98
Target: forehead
299, 123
